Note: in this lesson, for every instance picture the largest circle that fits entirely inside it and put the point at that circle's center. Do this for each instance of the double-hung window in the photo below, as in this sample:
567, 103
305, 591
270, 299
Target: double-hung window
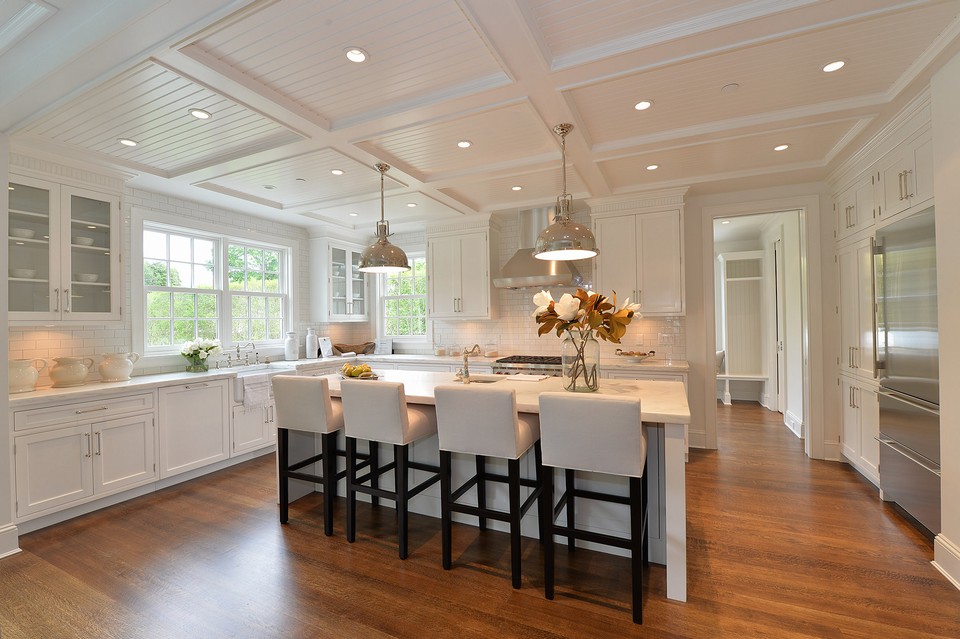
403, 303
256, 298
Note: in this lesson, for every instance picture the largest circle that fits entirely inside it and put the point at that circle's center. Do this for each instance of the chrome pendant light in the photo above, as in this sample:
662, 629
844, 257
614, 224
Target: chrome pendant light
565, 239
382, 256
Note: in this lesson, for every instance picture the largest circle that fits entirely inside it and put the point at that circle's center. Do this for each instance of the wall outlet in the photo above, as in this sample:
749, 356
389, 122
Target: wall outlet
666, 339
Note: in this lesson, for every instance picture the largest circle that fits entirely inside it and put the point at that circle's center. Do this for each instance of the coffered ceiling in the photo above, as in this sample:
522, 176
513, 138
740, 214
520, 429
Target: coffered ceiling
728, 80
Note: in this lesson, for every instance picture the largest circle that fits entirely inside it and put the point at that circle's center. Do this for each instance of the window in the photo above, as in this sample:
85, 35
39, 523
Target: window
404, 302
203, 285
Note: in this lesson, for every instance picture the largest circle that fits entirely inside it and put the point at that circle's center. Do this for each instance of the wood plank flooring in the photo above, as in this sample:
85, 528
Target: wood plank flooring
779, 546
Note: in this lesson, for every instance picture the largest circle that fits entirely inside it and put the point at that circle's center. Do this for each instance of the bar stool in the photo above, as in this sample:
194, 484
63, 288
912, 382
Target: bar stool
378, 412
484, 422
601, 434
304, 404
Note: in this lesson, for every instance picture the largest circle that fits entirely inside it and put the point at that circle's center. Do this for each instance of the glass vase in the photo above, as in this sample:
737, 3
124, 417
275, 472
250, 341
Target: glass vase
197, 366
580, 358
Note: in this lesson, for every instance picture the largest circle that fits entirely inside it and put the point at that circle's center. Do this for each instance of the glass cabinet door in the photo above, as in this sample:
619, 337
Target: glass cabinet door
338, 281
32, 265
90, 262
357, 288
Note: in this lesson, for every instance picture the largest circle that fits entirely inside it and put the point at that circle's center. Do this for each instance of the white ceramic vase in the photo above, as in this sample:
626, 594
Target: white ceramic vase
23, 374
70, 371
116, 367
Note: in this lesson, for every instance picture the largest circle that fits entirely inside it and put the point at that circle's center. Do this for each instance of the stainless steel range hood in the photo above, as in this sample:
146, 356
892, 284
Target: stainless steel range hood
523, 270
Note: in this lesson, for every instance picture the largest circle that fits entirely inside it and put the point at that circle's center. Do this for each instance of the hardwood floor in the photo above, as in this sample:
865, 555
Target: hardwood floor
779, 546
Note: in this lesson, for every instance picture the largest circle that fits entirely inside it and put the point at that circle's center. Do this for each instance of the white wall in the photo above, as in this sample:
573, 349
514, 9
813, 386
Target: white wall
8, 532
793, 343
945, 87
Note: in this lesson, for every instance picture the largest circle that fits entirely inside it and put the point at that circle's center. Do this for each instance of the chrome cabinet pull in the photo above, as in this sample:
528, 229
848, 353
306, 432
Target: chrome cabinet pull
87, 435
99, 442
69, 301
902, 183
189, 386
906, 185
91, 410
56, 296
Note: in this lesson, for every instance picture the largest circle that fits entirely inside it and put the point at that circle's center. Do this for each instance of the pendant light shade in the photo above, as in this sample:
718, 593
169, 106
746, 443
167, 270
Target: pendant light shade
565, 239
382, 256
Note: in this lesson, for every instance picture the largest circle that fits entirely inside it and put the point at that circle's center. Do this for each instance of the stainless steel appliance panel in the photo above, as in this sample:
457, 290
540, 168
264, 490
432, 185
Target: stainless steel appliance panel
911, 484
911, 423
906, 291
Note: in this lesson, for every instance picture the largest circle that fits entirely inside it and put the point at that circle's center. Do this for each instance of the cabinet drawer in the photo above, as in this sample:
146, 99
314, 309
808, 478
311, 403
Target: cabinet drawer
76, 412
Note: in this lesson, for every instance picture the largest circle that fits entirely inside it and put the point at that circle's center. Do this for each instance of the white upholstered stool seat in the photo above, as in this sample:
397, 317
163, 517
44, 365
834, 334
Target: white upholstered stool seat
601, 434
483, 421
377, 411
304, 404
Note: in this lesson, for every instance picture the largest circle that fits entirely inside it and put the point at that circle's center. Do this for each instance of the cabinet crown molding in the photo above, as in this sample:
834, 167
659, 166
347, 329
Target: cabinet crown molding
480, 222
45, 169
650, 200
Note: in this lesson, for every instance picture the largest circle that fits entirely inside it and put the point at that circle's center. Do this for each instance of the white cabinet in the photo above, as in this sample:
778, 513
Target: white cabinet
338, 290
641, 258
252, 427
64, 253
860, 426
458, 276
856, 309
57, 467
858, 207
907, 176
194, 426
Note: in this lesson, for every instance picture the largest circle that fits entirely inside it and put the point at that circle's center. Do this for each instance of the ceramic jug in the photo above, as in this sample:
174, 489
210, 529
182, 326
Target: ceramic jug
116, 367
70, 371
24, 374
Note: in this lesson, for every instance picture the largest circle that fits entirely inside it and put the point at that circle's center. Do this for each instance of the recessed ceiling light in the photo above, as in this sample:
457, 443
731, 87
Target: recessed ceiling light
516, 188
353, 214
355, 54
127, 142
90, 226
337, 171
833, 66
725, 222
269, 187
653, 167
411, 204
643, 105
464, 144
729, 88
200, 114
781, 147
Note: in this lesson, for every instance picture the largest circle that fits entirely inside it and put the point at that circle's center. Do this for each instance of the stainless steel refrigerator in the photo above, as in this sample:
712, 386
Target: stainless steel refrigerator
908, 366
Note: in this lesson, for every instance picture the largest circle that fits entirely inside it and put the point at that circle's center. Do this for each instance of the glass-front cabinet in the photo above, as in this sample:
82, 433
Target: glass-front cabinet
64, 263
338, 290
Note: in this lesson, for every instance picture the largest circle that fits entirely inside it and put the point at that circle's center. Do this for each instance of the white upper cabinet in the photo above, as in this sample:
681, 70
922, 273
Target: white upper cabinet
338, 290
459, 284
64, 263
641, 258
858, 207
907, 176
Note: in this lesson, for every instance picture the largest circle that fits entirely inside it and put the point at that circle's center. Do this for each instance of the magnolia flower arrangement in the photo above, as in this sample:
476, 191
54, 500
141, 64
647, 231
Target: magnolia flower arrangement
581, 315
198, 351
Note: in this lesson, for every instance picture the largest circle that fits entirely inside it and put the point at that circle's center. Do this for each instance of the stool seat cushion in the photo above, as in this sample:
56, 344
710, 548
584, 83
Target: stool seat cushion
482, 420
304, 403
600, 434
378, 411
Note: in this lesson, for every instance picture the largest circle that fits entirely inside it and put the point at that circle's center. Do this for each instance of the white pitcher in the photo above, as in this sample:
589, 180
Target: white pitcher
116, 367
23, 374
70, 371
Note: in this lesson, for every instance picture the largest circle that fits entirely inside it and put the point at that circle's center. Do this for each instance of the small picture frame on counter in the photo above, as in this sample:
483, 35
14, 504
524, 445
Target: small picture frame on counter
383, 347
326, 346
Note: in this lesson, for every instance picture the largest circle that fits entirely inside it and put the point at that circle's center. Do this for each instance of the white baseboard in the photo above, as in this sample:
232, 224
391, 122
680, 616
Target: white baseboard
831, 451
697, 438
794, 423
9, 544
946, 559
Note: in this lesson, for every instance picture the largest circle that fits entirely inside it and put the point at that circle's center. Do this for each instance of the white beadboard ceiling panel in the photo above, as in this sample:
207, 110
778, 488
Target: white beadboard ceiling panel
497, 136
19, 17
419, 51
538, 188
776, 76
397, 211
749, 154
149, 105
304, 180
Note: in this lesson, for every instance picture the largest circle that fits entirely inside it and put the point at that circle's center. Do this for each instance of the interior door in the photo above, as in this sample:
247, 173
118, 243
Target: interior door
781, 330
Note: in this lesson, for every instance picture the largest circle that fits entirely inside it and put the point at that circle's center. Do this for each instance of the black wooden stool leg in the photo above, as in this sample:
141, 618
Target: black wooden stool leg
400, 453
546, 516
571, 508
351, 493
446, 516
513, 484
636, 547
482, 489
538, 474
283, 462
328, 447
374, 448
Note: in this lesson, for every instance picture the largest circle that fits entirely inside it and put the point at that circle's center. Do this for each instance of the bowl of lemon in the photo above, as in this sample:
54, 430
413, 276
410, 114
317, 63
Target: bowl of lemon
357, 371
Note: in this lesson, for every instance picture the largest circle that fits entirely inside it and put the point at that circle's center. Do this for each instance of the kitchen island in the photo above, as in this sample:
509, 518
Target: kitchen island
665, 414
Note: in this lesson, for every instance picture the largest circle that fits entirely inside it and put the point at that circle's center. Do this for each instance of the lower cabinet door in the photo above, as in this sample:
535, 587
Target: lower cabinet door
194, 426
251, 428
124, 453
53, 468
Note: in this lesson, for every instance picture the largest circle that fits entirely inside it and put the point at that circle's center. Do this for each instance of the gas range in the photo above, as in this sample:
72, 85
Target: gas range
529, 364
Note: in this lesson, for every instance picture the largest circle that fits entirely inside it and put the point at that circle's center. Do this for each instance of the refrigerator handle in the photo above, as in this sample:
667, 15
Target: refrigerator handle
909, 454
915, 403
875, 249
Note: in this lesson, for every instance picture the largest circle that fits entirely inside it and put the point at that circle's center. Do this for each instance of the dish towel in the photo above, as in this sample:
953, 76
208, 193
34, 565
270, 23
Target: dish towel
256, 390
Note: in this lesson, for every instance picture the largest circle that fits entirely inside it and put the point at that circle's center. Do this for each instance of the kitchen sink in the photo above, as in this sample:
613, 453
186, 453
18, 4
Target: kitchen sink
249, 370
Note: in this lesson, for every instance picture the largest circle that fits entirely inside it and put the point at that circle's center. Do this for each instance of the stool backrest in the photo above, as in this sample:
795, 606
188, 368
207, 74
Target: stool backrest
374, 410
596, 433
303, 403
482, 420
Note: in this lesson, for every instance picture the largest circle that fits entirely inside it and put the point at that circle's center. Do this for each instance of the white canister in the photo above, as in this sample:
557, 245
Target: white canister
312, 343
116, 367
23, 374
291, 350
70, 371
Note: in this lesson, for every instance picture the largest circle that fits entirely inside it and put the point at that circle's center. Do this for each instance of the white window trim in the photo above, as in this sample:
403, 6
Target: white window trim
139, 216
412, 340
